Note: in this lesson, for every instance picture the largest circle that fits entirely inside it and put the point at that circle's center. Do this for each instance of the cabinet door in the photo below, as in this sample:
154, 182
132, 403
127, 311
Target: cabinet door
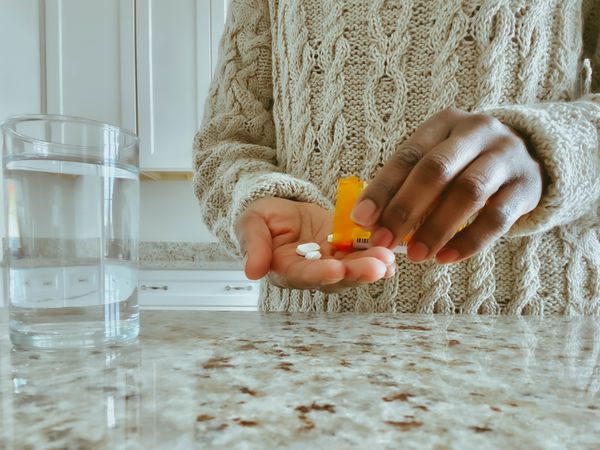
20, 80
90, 59
72, 57
177, 44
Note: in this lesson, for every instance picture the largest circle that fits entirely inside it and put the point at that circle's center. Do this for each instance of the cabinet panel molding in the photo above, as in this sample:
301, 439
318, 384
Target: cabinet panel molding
177, 46
90, 60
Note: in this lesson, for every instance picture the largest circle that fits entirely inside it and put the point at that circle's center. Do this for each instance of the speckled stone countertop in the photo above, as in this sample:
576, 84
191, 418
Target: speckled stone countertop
250, 380
186, 256
171, 256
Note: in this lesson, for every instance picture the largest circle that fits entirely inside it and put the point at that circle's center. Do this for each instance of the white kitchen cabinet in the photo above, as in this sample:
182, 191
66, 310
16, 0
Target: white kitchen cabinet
224, 290
89, 59
71, 57
177, 45
20, 80
144, 65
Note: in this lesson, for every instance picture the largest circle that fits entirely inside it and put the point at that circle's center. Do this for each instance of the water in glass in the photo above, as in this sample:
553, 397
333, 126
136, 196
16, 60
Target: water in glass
72, 249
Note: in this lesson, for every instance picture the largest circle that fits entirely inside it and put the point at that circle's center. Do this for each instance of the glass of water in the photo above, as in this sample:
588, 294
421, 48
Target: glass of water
71, 193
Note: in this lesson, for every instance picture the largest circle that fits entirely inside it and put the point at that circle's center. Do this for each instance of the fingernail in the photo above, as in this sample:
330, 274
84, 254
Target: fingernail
417, 251
390, 272
447, 255
364, 212
382, 237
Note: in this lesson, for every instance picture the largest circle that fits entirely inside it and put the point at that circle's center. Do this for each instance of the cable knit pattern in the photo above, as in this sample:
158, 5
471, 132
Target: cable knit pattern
307, 91
482, 284
435, 287
296, 103
384, 113
527, 263
492, 27
450, 28
528, 32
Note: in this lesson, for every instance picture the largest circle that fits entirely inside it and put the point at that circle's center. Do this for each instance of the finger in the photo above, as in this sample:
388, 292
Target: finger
390, 177
357, 267
335, 288
292, 271
338, 288
390, 272
386, 183
426, 182
365, 269
311, 274
382, 236
383, 254
379, 252
346, 284
467, 194
369, 265
494, 220
256, 244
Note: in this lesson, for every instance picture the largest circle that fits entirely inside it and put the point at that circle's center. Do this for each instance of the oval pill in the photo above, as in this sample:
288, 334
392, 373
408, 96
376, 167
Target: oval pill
313, 255
303, 249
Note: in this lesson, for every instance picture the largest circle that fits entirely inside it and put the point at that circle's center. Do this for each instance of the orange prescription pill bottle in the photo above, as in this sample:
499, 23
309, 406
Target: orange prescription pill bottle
347, 235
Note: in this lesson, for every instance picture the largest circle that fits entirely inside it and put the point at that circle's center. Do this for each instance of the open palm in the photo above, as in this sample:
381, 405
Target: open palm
270, 230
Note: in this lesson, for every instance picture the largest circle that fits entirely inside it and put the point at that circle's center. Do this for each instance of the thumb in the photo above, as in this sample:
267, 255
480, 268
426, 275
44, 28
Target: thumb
256, 243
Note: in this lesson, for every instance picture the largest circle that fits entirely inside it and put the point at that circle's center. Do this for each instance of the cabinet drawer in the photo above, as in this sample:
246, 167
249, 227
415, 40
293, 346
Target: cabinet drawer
194, 288
207, 289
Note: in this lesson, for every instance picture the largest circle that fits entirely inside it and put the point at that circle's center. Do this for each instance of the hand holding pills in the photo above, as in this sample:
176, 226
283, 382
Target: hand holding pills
287, 241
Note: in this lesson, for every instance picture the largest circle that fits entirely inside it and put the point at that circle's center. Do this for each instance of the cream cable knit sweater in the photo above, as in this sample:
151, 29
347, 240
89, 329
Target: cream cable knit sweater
308, 91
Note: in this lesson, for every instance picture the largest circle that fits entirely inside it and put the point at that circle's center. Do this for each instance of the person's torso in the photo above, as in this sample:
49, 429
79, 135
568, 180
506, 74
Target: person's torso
354, 78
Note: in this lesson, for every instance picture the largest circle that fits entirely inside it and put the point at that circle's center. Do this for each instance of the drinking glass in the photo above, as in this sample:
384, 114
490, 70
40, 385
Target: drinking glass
71, 193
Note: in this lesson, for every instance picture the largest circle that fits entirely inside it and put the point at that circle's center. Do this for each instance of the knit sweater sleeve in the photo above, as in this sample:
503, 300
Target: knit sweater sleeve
235, 150
565, 137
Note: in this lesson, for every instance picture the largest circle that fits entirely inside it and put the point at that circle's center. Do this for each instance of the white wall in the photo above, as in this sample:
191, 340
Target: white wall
169, 211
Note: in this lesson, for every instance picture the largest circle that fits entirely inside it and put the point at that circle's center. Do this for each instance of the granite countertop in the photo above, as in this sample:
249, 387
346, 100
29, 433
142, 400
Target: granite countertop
166, 255
250, 380
186, 256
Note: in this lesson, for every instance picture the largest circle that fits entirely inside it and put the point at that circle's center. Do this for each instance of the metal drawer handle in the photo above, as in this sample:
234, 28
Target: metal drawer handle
154, 288
229, 287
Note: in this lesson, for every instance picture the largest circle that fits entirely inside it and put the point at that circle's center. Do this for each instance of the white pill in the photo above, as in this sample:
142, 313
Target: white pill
400, 249
303, 249
330, 238
313, 255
